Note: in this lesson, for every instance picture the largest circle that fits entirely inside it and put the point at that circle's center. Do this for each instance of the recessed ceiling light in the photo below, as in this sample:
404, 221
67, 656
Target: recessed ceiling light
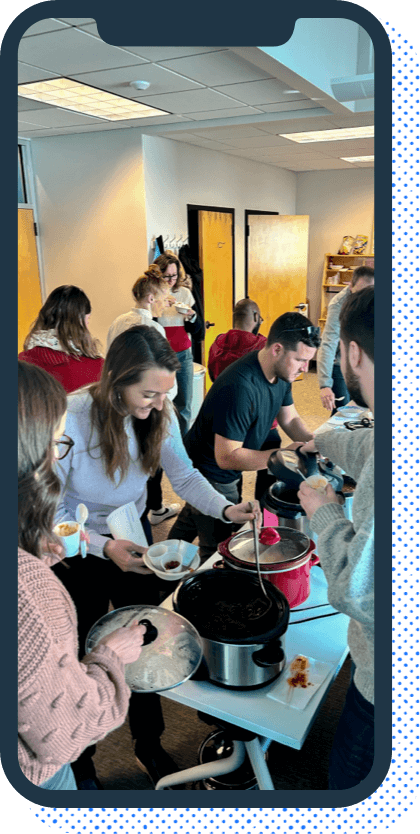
358, 158
289, 92
331, 135
82, 98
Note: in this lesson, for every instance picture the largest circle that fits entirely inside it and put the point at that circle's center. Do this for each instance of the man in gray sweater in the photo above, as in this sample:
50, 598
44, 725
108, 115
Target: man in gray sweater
346, 548
332, 386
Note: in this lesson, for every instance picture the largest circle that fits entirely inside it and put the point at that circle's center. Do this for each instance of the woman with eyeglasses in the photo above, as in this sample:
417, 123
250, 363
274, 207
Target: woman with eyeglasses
176, 323
124, 427
63, 703
60, 342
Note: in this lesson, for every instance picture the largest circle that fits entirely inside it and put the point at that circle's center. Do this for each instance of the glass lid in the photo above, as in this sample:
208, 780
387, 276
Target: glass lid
172, 651
292, 545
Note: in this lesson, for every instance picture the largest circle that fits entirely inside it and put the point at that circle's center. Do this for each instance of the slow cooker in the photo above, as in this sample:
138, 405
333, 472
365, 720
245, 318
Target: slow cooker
240, 631
286, 564
281, 498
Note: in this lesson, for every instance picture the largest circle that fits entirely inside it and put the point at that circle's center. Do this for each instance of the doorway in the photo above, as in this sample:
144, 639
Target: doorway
211, 231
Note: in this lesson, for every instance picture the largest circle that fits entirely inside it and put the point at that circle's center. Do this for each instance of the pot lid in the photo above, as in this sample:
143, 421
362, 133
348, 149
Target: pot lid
292, 545
172, 649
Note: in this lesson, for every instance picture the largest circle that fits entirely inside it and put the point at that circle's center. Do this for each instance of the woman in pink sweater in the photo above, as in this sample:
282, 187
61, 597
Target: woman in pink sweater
63, 704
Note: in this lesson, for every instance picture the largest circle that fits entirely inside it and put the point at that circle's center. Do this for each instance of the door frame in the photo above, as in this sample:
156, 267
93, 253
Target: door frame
192, 221
246, 228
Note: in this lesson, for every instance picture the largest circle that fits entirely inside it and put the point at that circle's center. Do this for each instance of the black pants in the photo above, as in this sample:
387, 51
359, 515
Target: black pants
264, 480
210, 531
92, 583
154, 491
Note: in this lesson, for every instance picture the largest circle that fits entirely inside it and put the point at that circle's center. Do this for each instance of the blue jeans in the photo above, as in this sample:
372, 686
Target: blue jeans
183, 399
63, 780
339, 388
352, 753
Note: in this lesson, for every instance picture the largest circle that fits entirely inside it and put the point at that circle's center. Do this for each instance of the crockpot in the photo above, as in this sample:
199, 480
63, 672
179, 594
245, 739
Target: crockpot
286, 564
239, 628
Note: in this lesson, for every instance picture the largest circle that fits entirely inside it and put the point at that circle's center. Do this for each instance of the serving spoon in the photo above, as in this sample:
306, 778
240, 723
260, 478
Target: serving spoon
82, 515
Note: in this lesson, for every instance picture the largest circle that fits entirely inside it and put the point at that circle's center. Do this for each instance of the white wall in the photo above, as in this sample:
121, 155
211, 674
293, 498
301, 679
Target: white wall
338, 203
177, 173
91, 211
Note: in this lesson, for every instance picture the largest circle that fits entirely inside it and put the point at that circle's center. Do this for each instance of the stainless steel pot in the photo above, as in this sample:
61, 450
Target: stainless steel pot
241, 636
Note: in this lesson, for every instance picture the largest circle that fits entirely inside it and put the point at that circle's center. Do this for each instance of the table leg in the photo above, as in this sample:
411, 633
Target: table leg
205, 771
256, 756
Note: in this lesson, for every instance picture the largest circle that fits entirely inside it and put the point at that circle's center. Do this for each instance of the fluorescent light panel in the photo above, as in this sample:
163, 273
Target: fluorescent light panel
331, 135
82, 98
357, 158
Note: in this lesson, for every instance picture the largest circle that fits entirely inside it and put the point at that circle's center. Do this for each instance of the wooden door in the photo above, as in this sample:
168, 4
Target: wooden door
277, 264
29, 287
216, 260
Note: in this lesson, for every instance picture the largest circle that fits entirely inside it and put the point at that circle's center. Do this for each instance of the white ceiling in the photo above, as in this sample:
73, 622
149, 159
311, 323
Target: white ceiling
219, 98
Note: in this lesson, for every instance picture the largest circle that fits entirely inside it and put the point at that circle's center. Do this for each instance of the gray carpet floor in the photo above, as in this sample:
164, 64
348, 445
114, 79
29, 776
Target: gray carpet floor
290, 769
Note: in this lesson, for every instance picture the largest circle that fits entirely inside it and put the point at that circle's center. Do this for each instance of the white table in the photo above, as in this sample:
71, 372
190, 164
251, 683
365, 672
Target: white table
258, 710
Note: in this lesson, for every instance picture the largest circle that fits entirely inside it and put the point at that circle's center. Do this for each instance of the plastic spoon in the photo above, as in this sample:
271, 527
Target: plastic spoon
82, 515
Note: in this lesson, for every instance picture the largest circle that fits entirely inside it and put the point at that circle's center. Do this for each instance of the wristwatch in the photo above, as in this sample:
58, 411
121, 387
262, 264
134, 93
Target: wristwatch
224, 514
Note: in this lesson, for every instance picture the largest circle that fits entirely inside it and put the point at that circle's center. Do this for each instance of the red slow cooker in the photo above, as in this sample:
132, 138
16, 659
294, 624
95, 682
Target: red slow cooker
286, 564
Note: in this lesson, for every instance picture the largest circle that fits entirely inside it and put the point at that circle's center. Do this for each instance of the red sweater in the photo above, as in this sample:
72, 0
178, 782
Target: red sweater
230, 346
73, 372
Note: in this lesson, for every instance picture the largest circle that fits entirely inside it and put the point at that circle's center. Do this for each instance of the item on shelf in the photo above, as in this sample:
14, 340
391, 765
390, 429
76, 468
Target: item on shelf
360, 245
347, 245
334, 279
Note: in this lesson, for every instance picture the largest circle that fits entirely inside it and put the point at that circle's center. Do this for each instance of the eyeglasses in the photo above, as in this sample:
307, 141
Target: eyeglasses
63, 445
311, 330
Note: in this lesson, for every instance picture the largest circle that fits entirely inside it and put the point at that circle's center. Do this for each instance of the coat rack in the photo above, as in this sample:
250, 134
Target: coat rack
171, 242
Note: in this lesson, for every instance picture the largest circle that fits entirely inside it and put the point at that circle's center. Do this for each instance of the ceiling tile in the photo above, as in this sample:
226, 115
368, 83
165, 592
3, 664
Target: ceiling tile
296, 123
261, 141
70, 50
344, 147
224, 114
26, 73
284, 106
162, 53
229, 133
48, 25
190, 101
77, 21
221, 68
260, 92
55, 117
118, 80
29, 104
317, 165
355, 120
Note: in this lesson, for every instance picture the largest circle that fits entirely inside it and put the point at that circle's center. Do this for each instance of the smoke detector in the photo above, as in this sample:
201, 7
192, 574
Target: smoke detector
140, 85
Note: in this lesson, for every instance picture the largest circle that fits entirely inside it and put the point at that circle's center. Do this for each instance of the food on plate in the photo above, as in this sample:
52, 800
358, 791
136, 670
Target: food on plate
299, 669
269, 535
172, 565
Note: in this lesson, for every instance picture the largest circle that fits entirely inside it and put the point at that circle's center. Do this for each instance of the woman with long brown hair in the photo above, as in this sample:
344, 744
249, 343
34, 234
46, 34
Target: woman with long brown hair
60, 342
123, 428
53, 730
150, 293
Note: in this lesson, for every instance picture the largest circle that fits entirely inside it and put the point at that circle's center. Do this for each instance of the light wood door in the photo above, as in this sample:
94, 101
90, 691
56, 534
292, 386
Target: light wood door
216, 260
29, 287
277, 264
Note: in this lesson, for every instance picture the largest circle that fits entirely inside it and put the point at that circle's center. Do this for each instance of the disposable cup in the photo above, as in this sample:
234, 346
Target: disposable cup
69, 535
317, 482
156, 553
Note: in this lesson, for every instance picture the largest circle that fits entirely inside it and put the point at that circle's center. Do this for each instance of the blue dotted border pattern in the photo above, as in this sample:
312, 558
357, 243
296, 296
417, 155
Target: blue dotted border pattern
387, 806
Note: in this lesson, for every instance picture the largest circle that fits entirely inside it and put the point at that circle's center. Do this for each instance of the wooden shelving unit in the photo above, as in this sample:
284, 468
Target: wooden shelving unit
329, 287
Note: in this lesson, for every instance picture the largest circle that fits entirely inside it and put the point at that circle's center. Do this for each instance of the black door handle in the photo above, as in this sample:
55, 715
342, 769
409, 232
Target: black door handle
209, 324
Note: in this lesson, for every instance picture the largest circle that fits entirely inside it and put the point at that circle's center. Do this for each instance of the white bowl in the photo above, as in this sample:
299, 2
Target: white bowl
173, 575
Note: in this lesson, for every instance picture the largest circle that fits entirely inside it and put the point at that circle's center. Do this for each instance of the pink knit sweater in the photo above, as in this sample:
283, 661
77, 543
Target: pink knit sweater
63, 704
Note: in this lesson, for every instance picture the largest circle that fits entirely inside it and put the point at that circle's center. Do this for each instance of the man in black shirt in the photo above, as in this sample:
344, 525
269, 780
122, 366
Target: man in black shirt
236, 417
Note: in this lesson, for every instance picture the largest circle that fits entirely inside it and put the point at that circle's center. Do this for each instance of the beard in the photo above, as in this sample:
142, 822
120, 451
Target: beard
353, 385
256, 329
